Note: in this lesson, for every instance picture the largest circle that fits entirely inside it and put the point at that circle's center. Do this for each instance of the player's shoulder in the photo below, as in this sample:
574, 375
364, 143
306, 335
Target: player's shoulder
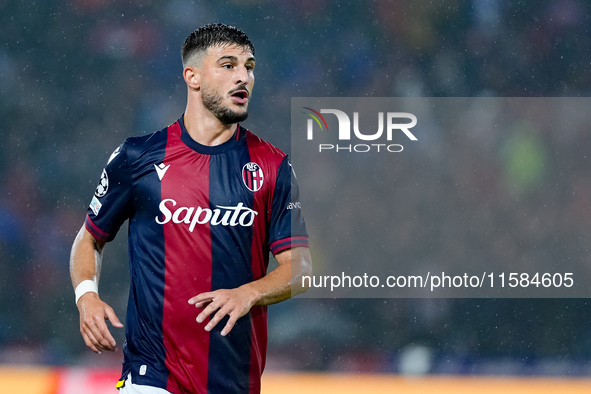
138, 146
263, 148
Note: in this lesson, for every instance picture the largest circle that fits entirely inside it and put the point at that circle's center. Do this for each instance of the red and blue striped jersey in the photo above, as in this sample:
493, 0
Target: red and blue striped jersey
201, 218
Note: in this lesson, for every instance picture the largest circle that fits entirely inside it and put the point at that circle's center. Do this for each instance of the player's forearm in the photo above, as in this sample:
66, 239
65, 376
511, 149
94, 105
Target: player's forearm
85, 258
285, 281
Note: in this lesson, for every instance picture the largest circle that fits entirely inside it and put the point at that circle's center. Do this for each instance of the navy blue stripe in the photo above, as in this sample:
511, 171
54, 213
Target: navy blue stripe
144, 345
229, 357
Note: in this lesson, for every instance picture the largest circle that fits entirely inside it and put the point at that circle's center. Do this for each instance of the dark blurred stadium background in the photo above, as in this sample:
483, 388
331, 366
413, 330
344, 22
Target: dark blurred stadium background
78, 76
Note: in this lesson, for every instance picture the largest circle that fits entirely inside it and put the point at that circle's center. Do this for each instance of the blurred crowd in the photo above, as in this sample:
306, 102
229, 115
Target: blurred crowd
79, 76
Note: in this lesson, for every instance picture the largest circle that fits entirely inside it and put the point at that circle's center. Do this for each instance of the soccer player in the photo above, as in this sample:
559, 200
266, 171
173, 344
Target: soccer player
206, 200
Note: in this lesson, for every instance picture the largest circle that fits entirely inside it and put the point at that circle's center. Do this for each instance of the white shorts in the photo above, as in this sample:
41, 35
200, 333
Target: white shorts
131, 388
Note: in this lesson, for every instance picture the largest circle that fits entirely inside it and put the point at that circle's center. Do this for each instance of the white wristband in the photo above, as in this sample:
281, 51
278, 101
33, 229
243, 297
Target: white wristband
84, 287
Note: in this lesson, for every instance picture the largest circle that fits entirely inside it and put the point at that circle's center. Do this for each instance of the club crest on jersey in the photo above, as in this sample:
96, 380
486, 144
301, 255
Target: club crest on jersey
103, 185
252, 176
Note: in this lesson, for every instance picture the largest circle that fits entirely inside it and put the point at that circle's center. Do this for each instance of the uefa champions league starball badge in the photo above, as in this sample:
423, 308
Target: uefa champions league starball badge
103, 185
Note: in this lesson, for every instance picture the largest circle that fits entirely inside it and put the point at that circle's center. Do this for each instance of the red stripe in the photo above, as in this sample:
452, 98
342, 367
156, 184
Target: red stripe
260, 256
289, 246
258, 349
185, 279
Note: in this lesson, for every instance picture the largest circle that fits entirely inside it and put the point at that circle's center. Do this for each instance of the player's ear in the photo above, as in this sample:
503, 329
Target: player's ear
192, 76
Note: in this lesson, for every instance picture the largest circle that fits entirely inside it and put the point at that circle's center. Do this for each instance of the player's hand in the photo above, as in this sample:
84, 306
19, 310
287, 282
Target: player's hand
232, 302
93, 314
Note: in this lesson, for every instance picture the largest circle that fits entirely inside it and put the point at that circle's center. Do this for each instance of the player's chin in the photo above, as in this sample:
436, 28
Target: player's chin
234, 115
240, 110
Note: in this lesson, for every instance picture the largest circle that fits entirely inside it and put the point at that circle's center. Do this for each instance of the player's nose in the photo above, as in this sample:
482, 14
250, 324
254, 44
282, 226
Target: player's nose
241, 75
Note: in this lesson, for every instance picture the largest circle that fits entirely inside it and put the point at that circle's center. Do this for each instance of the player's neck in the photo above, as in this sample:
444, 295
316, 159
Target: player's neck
205, 128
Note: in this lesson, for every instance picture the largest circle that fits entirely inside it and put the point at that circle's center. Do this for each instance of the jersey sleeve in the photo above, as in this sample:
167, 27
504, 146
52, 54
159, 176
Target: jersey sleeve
287, 227
110, 205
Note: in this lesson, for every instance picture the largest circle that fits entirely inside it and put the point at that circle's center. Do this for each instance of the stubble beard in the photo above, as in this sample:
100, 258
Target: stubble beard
212, 101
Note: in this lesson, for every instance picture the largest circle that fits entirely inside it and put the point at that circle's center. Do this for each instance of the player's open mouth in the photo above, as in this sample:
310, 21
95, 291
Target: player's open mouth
240, 96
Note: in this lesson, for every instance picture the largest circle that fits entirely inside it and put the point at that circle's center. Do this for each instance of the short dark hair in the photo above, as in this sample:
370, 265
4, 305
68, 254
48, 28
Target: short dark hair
211, 35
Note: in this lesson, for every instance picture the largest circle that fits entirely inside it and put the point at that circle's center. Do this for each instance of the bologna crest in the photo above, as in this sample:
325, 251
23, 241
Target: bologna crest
253, 177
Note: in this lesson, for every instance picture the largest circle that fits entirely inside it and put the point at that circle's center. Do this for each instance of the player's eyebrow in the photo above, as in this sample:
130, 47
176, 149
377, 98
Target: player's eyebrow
230, 58
235, 59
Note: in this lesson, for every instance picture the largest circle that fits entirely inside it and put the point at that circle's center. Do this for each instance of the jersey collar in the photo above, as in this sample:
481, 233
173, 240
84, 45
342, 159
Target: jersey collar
208, 150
